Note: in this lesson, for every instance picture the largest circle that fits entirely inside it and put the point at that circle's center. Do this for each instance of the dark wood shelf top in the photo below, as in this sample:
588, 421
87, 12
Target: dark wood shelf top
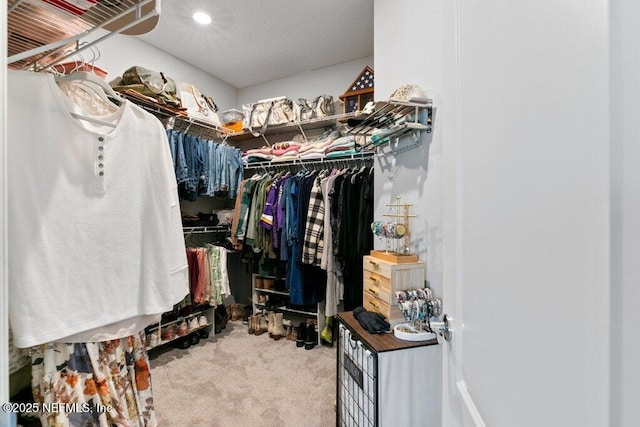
379, 342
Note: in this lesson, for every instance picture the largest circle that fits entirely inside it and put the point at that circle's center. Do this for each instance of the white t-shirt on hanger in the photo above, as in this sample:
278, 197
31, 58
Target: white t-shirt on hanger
95, 243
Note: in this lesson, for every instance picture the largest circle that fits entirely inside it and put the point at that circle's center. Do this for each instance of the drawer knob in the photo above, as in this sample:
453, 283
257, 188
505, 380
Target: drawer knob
374, 291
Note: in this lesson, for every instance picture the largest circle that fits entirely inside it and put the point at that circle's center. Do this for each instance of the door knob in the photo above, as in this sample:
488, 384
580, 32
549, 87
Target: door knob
443, 328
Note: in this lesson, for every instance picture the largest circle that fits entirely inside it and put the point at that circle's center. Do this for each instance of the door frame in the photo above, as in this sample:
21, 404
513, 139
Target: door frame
4, 310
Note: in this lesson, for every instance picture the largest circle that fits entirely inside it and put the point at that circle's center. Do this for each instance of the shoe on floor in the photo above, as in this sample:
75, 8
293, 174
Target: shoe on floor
302, 334
271, 320
194, 339
312, 337
289, 330
251, 328
220, 322
263, 325
182, 343
278, 328
326, 335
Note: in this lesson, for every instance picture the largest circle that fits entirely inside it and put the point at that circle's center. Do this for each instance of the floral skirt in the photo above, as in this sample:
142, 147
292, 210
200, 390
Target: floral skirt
94, 384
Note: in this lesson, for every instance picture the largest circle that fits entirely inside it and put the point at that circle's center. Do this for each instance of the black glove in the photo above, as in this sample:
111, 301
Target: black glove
374, 323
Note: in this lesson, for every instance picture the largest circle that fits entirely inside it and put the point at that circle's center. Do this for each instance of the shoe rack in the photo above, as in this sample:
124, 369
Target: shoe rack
269, 293
164, 333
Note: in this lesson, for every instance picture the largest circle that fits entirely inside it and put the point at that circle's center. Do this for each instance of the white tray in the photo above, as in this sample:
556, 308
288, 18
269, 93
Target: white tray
412, 336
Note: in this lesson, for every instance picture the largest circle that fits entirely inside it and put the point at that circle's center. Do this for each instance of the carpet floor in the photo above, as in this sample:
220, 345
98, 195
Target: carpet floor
236, 379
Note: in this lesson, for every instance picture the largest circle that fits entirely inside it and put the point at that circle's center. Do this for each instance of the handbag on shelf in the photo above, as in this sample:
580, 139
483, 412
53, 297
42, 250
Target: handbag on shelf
198, 106
151, 83
323, 106
274, 111
305, 110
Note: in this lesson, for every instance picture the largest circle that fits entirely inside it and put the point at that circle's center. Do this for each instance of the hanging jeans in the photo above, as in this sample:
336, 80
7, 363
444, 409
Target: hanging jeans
176, 145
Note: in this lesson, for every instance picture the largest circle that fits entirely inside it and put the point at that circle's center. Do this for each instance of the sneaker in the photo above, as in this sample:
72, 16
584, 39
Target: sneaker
409, 93
202, 321
193, 324
152, 340
183, 329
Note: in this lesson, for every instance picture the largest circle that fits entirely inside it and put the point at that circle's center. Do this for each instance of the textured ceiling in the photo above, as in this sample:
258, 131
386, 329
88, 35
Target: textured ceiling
255, 41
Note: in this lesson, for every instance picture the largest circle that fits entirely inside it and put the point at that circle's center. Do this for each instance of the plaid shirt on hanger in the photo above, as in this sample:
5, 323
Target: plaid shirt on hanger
314, 230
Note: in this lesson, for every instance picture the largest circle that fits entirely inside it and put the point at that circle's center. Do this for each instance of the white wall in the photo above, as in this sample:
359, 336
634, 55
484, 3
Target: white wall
120, 52
406, 56
409, 49
117, 53
332, 80
625, 211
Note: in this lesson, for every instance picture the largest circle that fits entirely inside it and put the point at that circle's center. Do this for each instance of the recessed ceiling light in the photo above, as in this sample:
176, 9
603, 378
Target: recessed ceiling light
202, 18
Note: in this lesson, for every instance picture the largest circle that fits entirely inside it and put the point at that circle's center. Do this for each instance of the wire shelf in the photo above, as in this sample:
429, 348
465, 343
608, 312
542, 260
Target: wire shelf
41, 33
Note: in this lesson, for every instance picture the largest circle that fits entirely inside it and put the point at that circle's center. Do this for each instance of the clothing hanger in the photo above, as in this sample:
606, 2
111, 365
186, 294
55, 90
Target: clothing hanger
358, 173
99, 86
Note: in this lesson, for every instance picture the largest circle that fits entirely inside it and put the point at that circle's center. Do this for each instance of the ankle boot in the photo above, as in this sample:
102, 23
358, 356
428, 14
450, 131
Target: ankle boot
270, 319
251, 325
289, 330
278, 327
302, 334
312, 337
256, 324
263, 325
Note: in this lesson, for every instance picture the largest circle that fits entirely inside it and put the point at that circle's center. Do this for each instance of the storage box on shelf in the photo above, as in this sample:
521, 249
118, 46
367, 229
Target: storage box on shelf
270, 293
382, 278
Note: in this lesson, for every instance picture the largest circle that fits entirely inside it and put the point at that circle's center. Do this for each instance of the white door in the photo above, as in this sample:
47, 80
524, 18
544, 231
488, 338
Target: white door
527, 220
